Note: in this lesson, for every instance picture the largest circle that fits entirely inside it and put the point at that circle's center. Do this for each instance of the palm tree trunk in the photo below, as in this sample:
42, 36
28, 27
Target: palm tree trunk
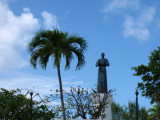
61, 93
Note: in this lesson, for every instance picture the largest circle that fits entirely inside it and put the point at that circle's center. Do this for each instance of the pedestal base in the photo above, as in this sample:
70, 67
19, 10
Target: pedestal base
100, 98
108, 111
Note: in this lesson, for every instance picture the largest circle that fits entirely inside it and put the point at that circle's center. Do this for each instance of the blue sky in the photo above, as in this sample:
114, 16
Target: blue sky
125, 30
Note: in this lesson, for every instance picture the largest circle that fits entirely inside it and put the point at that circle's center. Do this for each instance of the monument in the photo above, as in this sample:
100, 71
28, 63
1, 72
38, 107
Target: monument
102, 74
102, 88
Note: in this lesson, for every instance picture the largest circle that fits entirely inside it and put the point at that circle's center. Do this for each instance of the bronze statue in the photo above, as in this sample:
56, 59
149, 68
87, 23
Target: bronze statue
102, 75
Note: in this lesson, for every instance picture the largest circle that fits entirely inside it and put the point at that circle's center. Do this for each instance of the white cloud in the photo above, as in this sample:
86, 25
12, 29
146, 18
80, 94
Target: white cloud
146, 16
15, 31
40, 84
27, 10
4, 1
120, 5
138, 28
50, 20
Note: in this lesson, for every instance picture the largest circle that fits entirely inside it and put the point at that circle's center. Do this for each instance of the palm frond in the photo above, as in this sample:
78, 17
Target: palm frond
38, 41
75, 40
56, 44
79, 54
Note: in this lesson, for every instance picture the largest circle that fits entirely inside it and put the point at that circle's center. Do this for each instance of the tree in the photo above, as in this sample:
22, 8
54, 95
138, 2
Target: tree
16, 106
78, 104
150, 75
117, 111
56, 44
153, 113
128, 112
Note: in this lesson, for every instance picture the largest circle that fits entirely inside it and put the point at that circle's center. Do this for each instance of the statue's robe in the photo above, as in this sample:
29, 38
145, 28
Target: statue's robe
102, 75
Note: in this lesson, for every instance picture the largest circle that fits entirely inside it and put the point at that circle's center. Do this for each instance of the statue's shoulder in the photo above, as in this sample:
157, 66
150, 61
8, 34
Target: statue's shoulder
98, 60
106, 59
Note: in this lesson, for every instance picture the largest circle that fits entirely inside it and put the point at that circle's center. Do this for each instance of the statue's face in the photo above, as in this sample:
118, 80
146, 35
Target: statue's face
102, 55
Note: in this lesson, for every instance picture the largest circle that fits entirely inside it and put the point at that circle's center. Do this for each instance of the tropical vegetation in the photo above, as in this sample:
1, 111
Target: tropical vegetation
150, 75
56, 44
17, 106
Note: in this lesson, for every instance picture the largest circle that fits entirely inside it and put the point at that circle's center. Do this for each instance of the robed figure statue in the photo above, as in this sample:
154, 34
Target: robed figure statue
102, 75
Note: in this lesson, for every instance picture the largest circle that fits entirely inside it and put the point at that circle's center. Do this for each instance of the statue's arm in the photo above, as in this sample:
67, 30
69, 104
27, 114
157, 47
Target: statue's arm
97, 64
107, 63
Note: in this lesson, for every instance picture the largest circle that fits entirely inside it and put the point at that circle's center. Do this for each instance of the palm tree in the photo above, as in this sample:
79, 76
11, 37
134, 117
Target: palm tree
56, 44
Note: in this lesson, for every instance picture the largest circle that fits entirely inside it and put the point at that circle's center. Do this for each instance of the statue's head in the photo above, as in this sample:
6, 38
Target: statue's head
102, 54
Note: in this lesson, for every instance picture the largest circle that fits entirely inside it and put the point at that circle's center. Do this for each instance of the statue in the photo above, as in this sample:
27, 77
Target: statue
102, 75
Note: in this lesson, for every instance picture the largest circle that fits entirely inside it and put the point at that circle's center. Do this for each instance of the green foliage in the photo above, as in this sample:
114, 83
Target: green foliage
78, 104
16, 106
153, 112
128, 112
117, 111
150, 75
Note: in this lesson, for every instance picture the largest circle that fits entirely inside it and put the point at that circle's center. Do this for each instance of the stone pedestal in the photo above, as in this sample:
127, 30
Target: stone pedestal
108, 111
100, 98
